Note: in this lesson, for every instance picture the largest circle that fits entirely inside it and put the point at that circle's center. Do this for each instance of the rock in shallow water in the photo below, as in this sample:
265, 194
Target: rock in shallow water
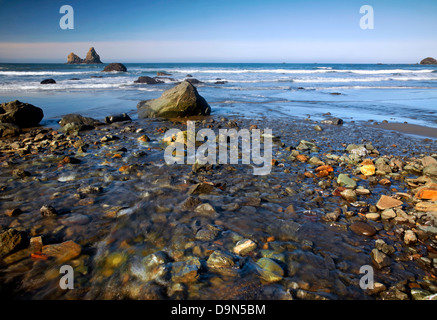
9, 241
362, 228
269, 270
180, 101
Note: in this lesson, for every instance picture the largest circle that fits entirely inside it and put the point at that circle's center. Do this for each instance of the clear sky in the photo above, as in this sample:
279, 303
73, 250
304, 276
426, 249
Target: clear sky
220, 31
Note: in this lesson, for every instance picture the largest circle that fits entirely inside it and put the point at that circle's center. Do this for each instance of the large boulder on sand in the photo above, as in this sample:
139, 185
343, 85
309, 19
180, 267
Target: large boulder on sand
115, 67
428, 60
21, 114
182, 100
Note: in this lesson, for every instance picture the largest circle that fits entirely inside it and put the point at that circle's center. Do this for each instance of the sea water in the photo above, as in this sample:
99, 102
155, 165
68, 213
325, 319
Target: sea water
397, 93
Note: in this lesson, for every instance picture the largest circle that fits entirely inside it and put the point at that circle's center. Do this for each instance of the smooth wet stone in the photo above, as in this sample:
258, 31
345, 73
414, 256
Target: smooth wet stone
426, 206
388, 214
273, 255
244, 246
206, 234
362, 191
362, 228
9, 241
269, 270
431, 297
345, 181
62, 251
410, 237
220, 259
380, 259
349, 195
372, 216
430, 170
368, 170
48, 211
386, 202
150, 267
76, 219
419, 294
185, 271
206, 210
427, 193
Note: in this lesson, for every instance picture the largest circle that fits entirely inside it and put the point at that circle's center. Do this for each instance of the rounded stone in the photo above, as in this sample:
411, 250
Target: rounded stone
362, 228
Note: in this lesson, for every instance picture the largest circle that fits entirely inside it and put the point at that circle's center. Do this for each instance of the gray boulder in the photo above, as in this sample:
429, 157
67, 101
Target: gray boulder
76, 122
182, 100
21, 114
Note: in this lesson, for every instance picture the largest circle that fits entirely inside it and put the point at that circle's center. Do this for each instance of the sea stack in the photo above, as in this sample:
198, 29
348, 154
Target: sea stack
428, 60
91, 58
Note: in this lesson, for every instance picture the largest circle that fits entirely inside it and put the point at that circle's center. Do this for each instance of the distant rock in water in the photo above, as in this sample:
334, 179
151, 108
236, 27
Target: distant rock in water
182, 100
91, 58
148, 80
428, 60
163, 74
193, 81
115, 67
21, 114
74, 59
48, 81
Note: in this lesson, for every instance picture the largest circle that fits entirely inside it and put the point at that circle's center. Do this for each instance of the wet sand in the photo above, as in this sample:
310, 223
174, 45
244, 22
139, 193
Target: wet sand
407, 128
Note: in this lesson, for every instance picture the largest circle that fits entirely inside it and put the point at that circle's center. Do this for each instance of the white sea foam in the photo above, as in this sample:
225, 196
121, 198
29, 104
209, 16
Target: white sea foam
298, 71
42, 73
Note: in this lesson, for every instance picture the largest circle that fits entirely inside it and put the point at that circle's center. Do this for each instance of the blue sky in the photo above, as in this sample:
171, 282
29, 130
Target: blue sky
220, 31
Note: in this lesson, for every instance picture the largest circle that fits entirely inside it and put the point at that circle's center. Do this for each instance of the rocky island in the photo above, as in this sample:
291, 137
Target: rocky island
428, 60
91, 58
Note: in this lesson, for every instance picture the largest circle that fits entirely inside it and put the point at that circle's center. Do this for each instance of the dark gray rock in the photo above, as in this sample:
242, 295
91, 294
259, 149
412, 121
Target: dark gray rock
75, 122
21, 114
117, 118
115, 67
148, 80
48, 81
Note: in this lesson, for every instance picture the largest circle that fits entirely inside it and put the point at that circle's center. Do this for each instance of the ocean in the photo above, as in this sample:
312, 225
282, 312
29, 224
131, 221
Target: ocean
353, 92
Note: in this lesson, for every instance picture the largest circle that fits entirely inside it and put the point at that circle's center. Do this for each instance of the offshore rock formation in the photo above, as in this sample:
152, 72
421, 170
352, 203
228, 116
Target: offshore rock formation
91, 58
428, 60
